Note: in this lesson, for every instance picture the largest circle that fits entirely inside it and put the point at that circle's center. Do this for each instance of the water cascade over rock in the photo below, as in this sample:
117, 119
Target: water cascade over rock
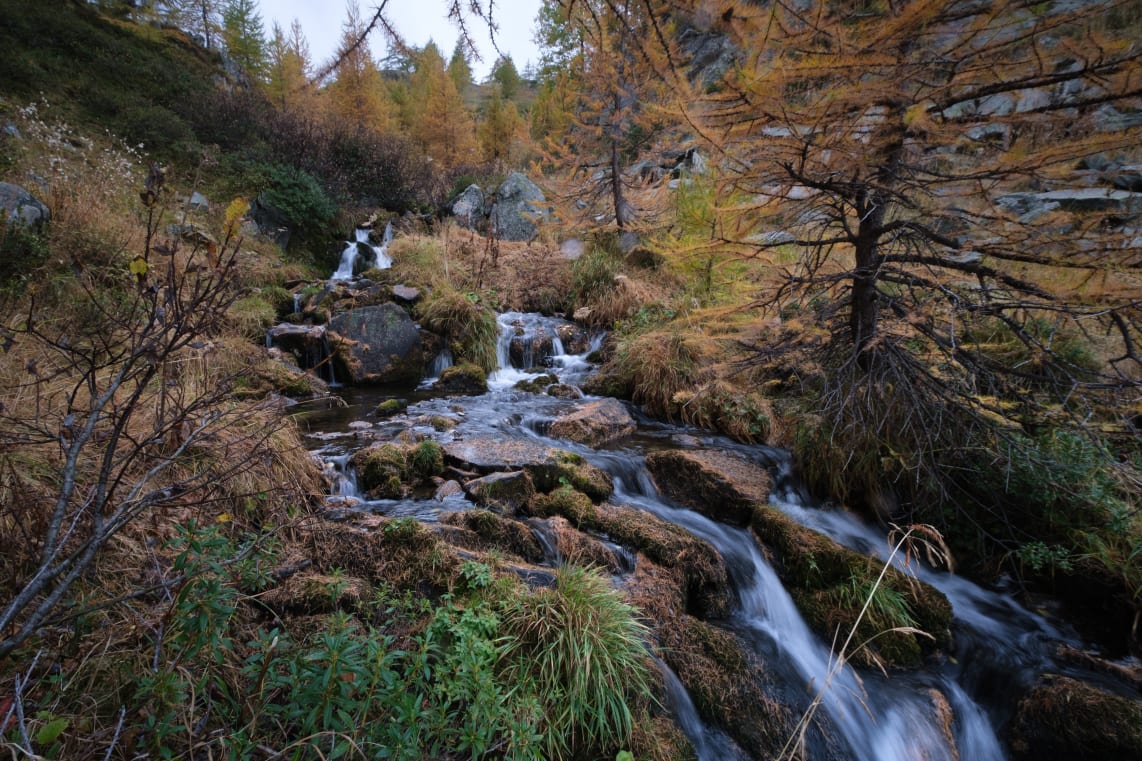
704, 534
360, 255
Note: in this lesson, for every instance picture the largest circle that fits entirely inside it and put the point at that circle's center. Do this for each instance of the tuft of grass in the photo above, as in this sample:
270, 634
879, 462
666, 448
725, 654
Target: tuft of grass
465, 323
580, 650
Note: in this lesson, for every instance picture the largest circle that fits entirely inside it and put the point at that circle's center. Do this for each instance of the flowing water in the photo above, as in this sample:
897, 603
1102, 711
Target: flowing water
352, 252
1000, 646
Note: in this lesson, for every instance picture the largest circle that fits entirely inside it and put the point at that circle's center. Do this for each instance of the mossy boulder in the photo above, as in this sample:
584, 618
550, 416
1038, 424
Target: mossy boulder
390, 407
702, 575
382, 470
595, 424
721, 485
536, 385
378, 344
548, 467
486, 530
830, 583
505, 492
1064, 718
565, 501
464, 379
387, 471
723, 675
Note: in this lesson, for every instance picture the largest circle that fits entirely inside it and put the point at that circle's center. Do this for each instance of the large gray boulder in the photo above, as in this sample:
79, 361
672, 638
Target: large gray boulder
468, 208
519, 204
377, 344
595, 423
21, 207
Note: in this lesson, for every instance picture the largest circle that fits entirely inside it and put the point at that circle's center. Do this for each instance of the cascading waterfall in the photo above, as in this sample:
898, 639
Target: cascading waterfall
871, 717
352, 251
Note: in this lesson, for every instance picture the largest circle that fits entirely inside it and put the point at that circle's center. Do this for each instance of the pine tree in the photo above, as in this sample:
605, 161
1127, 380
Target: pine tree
504, 74
288, 68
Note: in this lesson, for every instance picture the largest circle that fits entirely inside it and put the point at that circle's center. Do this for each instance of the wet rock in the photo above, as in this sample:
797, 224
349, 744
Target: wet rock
490, 531
519, 203
564, 391
575, 547
20, 207
719, 670
595, 424
548, 467
701, 571
536, 385
448, 489
1062, 717
721, 485
829, 583
506, 492
305, 343
465, 379
406, 294
378, 344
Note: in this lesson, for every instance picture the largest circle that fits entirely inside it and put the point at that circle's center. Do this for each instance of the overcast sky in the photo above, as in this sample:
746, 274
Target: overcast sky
418, 20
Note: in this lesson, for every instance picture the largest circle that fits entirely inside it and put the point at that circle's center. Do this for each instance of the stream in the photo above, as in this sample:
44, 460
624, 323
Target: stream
1000, 646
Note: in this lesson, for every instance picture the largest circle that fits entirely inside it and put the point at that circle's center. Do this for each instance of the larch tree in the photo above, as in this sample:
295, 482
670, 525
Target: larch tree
245, 37
434, 113
357, 94
607, 46
934, 183
288, 68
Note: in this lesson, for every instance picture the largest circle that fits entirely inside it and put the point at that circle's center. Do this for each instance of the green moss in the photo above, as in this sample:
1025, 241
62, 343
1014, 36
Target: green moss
830, 584
441, 423
536, 385
498, 532
390, 407
573, 505
464, 378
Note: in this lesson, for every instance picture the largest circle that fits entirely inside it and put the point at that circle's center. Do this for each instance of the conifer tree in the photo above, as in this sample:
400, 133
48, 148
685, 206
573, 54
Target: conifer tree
498, 130
460, 69
434, 114
288, 68
245, 37
927, 163
504, 74
357, 94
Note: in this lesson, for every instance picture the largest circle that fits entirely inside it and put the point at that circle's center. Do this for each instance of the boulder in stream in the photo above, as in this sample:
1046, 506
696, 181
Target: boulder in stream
378, 344
548, 467
719, 484
1061, 717
505, 492
595, 424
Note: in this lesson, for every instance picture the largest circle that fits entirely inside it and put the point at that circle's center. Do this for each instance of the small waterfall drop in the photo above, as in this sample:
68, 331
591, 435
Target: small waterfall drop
353, 250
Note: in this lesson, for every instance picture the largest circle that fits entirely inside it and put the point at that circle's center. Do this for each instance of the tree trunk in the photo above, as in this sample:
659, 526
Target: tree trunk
865, 308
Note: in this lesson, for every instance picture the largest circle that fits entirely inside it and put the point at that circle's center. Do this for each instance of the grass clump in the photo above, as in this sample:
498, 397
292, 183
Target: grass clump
467, 325
580, 651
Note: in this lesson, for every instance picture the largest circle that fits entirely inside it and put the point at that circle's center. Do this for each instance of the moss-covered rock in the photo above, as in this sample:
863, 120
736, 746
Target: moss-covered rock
505, 492
390, 407
382, 470
565, 501
830, 584
465, 379
1065, 718
721, 485
701, 570
536, 385
490, 531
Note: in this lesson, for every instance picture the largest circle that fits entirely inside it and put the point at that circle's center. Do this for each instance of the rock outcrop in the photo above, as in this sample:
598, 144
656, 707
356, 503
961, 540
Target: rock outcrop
20, 207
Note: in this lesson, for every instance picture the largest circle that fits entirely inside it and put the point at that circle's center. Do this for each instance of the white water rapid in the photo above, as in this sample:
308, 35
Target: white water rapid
353, 248
948, 710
